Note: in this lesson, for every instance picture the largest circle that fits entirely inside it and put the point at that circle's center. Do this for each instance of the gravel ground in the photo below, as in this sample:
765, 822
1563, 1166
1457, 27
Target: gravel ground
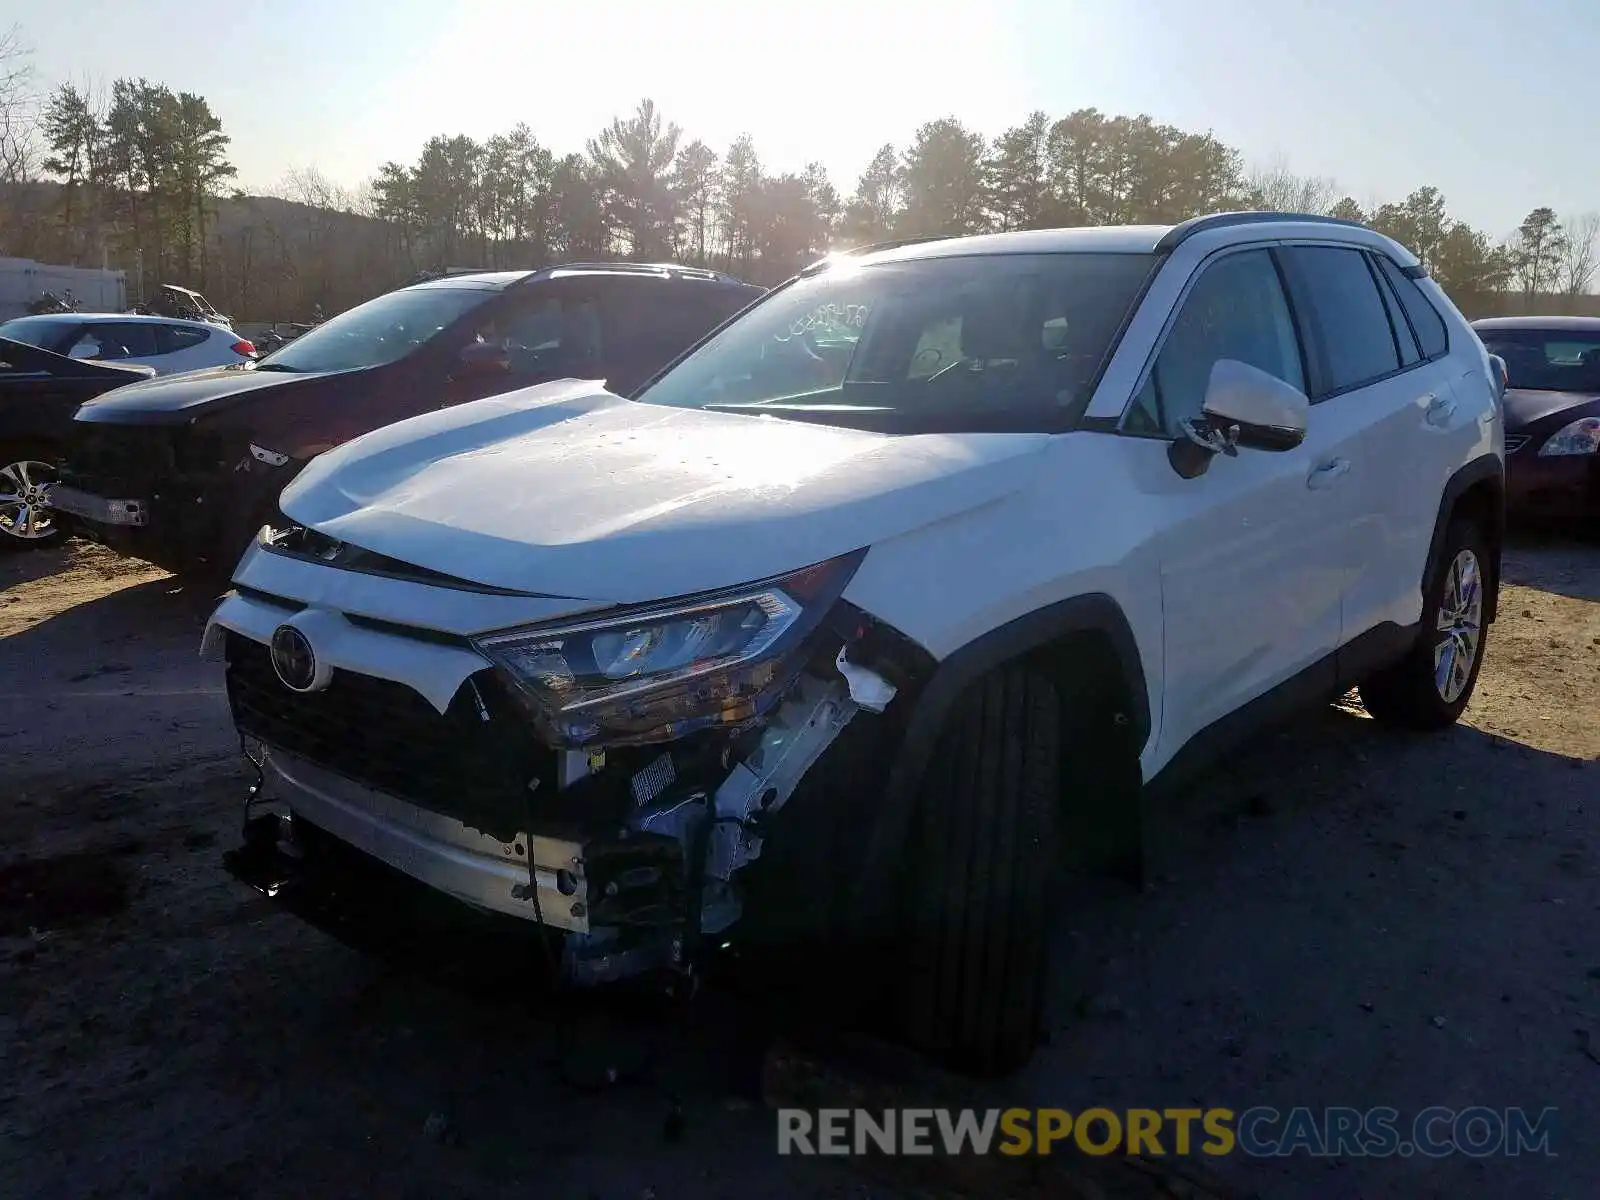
1339, 918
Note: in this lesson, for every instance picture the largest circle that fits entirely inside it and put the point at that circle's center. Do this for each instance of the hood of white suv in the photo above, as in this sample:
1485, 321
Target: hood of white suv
568, 490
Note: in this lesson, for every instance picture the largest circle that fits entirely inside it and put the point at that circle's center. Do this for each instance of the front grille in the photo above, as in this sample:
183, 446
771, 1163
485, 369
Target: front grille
131, 461
1515, 442
472, 763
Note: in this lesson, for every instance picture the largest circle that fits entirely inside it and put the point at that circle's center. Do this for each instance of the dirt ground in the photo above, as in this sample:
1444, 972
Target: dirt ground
1341, 918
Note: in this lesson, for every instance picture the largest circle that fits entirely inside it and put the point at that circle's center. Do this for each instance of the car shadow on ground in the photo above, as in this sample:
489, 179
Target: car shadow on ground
1541, 556
139, 626
1344, 915
18, 567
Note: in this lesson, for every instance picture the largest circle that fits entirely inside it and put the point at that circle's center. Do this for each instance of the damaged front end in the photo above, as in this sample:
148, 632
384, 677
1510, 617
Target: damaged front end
610, 779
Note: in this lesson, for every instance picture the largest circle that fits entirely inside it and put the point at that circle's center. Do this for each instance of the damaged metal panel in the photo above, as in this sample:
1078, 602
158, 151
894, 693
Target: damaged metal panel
435, 849
794, 737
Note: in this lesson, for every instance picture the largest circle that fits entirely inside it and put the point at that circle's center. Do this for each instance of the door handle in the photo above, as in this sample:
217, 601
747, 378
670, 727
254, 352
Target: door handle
1328, 473
1440, 409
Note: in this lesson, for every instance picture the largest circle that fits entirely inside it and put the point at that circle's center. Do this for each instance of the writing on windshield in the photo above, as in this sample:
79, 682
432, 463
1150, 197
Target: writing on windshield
830, 319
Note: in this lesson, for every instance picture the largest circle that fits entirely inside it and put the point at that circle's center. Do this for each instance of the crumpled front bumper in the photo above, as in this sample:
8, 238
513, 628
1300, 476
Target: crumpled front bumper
436, 850
381, 912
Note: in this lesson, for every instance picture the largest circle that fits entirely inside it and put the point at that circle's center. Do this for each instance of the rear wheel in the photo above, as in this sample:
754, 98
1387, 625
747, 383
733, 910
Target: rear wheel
1431, 686
26, 522
983, 859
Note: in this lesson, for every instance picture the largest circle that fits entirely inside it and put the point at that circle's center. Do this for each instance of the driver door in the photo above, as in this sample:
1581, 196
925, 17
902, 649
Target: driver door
550, 331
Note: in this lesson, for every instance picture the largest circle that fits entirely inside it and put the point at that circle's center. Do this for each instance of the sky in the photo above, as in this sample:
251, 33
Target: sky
1487, 103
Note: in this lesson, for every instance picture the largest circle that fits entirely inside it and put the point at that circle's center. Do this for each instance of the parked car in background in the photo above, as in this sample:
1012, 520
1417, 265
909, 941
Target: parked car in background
166, 344
39, 392
183, 471
1552, 412
880, 608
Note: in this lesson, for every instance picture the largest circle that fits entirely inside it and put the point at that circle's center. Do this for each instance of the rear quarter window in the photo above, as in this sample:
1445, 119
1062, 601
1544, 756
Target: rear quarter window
172, 338
1425, 320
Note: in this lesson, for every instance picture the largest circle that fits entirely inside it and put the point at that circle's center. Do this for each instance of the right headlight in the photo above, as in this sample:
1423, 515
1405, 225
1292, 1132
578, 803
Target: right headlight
1580, 437
658, 672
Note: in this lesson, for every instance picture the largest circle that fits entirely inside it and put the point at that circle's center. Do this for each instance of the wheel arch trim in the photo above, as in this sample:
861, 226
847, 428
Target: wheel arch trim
1487, 469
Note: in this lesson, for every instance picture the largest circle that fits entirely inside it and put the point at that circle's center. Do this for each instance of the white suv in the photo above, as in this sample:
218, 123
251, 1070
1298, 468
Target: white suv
890, 598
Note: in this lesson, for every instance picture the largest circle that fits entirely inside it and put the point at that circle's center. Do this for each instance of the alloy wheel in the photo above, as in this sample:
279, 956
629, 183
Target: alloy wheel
24, 511
1459, 626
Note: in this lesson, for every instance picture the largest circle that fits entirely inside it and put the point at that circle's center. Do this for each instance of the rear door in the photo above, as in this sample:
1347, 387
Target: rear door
1369, 386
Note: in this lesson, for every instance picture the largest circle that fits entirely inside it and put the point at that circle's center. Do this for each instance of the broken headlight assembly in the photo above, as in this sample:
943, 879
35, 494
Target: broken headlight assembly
658, 672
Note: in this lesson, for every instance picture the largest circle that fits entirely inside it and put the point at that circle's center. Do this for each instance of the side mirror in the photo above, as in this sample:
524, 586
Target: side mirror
483, 358
1243, 406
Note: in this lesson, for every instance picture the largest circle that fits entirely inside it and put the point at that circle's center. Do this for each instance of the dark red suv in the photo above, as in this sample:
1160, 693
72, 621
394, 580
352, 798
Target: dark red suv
182, 471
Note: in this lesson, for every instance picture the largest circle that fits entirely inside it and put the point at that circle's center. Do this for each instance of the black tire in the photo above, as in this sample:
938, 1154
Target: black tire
1404, 695
10, 455
983, 861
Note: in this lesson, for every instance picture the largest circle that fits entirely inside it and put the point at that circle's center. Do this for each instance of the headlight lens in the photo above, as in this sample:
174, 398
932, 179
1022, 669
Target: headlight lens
656, 673
1580, 437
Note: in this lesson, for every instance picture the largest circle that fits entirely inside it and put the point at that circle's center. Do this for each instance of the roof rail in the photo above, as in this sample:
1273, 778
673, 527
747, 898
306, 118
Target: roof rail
896, 243
873, 247
639, 268
1184, 230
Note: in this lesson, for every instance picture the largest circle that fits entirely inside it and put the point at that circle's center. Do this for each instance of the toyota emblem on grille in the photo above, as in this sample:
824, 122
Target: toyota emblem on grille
294, 662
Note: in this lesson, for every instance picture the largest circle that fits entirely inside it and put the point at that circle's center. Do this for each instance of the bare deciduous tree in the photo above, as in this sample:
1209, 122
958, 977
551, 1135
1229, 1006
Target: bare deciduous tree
1275, 188
1582, 253
19, 107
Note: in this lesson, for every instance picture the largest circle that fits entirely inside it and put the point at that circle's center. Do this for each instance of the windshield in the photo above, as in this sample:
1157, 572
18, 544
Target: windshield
976, 343
377, 332
1547, 360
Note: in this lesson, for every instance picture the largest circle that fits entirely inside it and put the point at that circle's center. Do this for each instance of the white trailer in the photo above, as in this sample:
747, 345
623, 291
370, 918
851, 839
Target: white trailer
22, 281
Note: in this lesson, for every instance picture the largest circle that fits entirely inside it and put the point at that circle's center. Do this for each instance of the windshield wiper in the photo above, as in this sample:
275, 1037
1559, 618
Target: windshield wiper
275, 367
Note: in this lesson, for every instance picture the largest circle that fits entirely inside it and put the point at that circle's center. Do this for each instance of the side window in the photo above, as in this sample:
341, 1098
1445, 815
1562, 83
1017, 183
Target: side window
1346, 325
553, 335
1409, 354
172, 338
717, 305
1425, 319
667, 317
87, 345
119, 341
1236, 310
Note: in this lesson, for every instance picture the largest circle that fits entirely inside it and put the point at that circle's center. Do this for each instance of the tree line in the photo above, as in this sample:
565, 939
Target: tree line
140, 179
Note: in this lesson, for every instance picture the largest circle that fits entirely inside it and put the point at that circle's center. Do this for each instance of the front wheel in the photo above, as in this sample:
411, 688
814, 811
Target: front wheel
1431, 686
26, 521
982, 861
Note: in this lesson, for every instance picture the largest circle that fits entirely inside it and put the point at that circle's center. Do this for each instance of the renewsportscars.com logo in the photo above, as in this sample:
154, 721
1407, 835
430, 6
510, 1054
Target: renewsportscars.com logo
1258, 1132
